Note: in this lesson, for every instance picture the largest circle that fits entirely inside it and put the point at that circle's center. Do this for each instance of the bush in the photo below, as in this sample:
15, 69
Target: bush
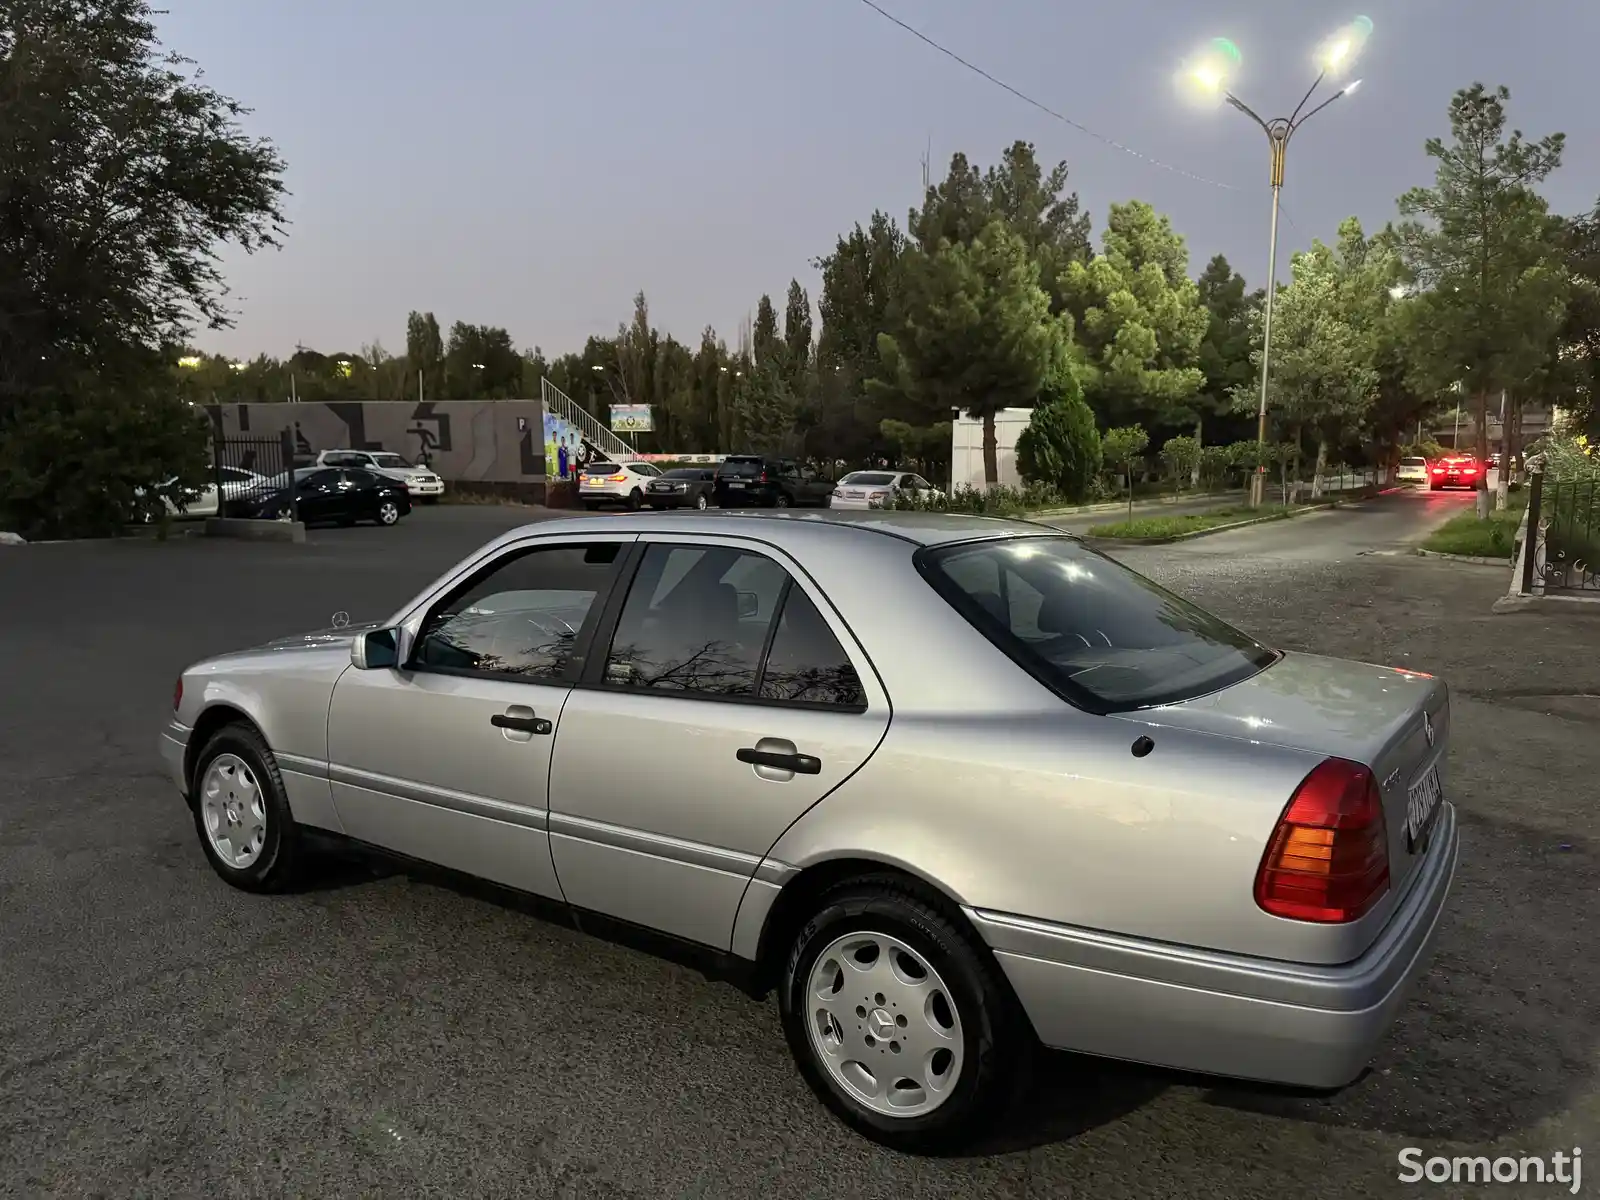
91, 463
1060, 448
983, 502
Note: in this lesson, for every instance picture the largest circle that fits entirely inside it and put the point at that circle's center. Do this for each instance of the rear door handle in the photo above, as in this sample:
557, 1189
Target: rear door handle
522, 724
800, 764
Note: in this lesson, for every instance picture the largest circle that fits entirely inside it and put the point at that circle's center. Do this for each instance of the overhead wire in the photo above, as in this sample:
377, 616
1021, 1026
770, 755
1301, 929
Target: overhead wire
1041, 106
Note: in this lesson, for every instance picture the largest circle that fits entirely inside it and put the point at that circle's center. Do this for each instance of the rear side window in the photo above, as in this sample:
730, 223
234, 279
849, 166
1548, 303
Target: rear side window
725, 623
1102, 636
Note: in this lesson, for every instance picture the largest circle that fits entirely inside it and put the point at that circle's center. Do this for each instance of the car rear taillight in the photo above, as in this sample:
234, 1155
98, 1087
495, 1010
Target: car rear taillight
1438, 470
761, 478
1328, 860
177, 695
619, 477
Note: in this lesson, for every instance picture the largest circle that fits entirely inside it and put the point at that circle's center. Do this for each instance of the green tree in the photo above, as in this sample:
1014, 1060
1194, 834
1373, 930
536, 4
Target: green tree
1139, 321
1181, 457
425, 357
797, 330
1018, 192
978, 335
1061, 446
1124, 448
1224, 354
1482, 247
1322, 361
121, 176
766, 342
481, 363
861, 289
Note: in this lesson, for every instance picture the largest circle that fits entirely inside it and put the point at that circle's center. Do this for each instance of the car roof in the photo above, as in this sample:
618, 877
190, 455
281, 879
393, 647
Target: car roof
921, 528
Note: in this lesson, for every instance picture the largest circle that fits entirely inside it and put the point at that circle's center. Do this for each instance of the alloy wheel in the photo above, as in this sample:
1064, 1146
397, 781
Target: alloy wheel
883, 1024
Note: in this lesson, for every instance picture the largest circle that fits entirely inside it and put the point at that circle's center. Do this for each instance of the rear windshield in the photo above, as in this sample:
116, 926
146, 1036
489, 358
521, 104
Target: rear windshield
601, 469
868, 479
1413, 462
1102, 636
741, 467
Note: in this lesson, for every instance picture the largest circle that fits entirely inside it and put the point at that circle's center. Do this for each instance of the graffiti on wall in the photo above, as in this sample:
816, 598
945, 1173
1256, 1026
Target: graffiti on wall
477, 441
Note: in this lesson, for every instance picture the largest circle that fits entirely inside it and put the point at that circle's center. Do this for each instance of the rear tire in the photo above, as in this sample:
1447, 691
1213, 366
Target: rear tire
236, 788
388, 512
932, 989
781, 500
635, 500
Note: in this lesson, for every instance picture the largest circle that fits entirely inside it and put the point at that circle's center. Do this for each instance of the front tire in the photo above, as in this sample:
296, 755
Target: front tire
900, 1020
241, 812
388, 512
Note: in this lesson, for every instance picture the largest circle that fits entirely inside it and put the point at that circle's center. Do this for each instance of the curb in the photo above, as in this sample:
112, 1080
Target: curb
1121, 505
1475, 559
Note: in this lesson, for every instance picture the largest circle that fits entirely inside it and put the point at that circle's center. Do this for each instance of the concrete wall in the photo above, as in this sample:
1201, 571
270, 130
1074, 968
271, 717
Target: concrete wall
500, 444
966, 448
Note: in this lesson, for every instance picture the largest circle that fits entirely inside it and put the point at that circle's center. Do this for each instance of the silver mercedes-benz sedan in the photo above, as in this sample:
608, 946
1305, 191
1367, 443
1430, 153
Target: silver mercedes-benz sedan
954, 787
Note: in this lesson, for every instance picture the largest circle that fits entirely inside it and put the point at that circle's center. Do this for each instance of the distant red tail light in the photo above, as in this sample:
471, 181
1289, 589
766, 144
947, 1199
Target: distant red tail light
1328, 860
1438, 470
761, 478
177, 695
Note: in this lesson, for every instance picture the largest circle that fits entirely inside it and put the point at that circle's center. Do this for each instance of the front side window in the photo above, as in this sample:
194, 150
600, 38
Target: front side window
522, 617
1102, 635
720, 622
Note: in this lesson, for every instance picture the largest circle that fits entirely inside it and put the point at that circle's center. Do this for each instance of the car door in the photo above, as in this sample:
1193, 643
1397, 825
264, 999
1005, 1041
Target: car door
721, 706
447, 759
360, 492
318, 496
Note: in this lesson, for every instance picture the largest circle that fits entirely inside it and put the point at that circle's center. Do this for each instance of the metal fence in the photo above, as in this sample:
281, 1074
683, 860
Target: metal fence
1564, 528
237, 459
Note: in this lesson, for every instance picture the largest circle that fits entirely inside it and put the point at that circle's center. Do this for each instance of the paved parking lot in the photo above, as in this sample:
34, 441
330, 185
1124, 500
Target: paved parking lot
162, 1035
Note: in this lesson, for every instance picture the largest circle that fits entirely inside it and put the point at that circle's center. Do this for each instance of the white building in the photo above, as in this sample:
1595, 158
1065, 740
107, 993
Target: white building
966, 448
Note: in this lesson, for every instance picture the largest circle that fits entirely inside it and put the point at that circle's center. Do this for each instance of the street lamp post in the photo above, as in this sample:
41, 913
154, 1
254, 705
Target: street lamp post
1279, 130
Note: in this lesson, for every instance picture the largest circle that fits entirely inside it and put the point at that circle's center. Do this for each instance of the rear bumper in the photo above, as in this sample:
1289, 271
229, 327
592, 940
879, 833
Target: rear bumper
1221, 1014
174, 746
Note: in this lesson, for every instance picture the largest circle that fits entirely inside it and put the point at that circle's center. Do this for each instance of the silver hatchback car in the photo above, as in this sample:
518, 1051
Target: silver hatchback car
953, 787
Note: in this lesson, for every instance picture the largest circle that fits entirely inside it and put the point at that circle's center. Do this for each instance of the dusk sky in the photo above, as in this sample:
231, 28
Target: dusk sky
534, 165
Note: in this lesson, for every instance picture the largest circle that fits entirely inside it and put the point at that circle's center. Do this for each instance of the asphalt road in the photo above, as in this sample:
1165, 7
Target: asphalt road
162, 1035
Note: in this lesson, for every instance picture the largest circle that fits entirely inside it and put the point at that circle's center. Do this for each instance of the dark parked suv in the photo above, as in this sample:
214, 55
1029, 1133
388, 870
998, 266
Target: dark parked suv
762, 482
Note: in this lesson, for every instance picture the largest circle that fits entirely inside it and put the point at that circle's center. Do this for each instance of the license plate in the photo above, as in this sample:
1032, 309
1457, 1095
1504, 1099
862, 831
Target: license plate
593, 483
735, 485
1422, 806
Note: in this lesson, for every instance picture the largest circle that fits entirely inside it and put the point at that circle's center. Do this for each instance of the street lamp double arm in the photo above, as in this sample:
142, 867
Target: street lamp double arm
1279, 131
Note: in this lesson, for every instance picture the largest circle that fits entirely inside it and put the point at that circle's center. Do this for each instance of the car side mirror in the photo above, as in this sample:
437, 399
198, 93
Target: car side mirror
749, 605
375, 650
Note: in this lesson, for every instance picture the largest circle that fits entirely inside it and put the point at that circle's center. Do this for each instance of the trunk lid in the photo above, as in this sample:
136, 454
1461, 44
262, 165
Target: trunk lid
1395, 722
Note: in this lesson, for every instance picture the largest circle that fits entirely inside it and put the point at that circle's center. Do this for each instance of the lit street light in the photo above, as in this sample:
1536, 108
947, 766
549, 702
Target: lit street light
1209, 78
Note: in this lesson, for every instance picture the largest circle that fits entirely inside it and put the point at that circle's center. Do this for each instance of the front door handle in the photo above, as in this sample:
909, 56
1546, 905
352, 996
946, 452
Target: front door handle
528, 724
800, 764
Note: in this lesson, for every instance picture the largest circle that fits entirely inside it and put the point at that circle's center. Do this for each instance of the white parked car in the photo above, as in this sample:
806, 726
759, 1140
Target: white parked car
1412, 470
623, 483
203, 502
421, 482
877, 489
